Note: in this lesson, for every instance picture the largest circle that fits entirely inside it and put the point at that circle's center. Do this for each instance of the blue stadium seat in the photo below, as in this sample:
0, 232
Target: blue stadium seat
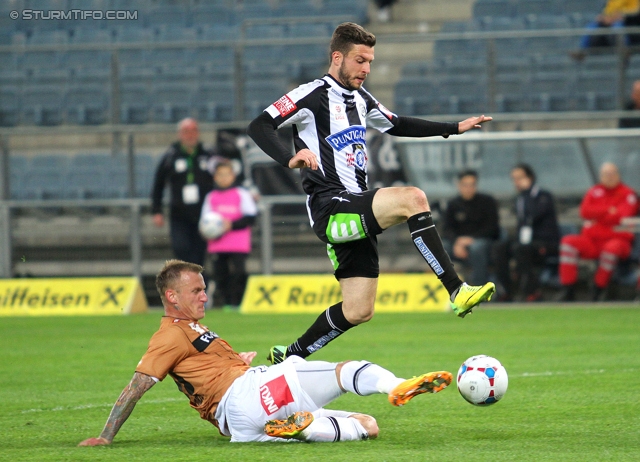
309, 30
172, 33
265, 31
171, 102
462, 48
509, 64
596, 90
545, 62
9, 105
510, 95
545, 7
493, 8
46, 178
355, 9
546, 21
83, 75
258, 94
219, 32
214, 101
87, 105
416, 96
606, 62
551, 91
176, 16
134, 103
583, 6
41, 104
204, 15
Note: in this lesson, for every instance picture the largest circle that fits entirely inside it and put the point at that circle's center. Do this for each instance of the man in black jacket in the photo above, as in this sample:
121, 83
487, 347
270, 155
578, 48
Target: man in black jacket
537, 237
471, 227
184, 167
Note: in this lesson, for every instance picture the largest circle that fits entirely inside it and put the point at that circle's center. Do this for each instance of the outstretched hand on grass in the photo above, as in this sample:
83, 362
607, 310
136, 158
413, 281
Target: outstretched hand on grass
95, 442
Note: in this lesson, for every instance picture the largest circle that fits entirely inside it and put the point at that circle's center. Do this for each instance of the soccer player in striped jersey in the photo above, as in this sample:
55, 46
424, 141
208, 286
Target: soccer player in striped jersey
329, 117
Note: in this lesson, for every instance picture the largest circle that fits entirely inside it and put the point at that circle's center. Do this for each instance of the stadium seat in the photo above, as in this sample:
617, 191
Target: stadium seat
258, 94
583, 6
9, 105
545, 62
355, 10
416, 96
551, 91
219, 32
546, 21
264, 31
171, 33
511, 94
87, 105
538, 7
296, 30
493, 8
596, 90
41, 104
173, 15
214, 101
46, 178
204, 15
134, 103
171, 102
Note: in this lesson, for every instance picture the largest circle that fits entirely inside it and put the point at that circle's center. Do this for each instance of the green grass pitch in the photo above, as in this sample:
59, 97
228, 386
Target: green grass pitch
573, 390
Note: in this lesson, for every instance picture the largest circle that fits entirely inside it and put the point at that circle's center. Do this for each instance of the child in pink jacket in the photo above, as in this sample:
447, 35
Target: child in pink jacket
230, 251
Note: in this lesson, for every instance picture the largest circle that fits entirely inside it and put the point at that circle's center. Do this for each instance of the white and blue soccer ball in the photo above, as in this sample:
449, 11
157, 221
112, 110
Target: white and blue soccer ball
482, 380
211, 225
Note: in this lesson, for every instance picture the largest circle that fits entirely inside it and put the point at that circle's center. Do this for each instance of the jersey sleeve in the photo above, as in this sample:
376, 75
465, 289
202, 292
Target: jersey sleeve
248, 205
296, 106
378, 116
166, 349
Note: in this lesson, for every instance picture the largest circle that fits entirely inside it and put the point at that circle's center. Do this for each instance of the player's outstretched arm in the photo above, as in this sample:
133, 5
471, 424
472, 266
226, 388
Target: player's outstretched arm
472, 122
122, 409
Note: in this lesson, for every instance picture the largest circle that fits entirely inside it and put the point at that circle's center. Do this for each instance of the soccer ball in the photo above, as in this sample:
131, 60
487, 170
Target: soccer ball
482, 380
211, 225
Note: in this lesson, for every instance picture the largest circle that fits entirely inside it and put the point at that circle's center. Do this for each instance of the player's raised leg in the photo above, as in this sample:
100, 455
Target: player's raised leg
392, 206
357, 306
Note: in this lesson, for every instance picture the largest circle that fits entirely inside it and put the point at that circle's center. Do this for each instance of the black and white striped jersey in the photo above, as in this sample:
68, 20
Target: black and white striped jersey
331, 121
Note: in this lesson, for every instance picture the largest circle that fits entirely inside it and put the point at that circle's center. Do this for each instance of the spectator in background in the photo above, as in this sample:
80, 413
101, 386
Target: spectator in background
384, 9
612, 15
603, 208
184, 167
537, 237
632, 105
471, 227
230, 251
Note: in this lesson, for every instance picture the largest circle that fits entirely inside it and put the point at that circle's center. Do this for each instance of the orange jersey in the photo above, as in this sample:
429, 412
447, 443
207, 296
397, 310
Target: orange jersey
202, 364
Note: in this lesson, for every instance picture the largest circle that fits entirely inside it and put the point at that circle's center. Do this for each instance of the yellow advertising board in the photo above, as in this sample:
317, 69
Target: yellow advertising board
71, 296
311, 293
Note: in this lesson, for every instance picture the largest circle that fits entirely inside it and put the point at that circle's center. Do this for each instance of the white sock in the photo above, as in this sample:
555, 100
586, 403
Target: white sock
333, 429
364, 378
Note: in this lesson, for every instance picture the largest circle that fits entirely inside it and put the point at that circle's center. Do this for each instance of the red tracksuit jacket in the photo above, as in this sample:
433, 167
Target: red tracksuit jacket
601, 220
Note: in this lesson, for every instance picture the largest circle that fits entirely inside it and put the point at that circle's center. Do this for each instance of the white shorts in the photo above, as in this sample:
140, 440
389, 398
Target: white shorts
267, 393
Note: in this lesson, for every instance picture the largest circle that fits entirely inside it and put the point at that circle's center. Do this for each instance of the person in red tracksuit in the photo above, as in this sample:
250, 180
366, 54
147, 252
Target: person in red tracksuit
602, 208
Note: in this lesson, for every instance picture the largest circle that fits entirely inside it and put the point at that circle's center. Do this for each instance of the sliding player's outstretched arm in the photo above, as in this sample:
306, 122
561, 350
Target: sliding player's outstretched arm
122, 409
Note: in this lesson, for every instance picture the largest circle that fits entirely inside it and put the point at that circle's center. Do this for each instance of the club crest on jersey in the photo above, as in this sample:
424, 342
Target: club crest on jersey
357, 158
285, 106
356, 134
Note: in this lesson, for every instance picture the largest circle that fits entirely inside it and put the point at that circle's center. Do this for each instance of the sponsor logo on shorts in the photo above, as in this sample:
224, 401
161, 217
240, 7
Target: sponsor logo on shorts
426, 253
356, 134
275, 395
285, 106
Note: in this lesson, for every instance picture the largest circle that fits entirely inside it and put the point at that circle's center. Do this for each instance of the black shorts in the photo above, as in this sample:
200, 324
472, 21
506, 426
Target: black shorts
345, 222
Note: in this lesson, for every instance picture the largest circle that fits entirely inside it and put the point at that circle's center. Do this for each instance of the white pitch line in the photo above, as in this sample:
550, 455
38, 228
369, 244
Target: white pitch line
173, 400
91, 406
551, 374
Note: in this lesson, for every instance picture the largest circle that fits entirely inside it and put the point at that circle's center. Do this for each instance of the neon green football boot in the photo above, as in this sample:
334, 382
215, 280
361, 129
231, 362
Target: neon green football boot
468, 297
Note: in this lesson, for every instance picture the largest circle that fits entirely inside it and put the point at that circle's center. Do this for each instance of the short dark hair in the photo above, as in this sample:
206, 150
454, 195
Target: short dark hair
527, 169
349, 34
468, 172
171, 272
